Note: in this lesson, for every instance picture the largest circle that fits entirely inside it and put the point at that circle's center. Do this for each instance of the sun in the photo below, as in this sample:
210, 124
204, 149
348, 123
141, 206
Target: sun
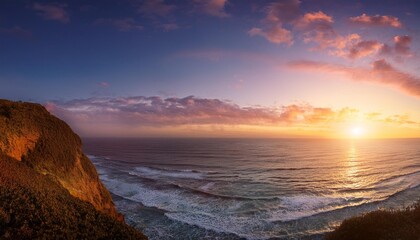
357, 131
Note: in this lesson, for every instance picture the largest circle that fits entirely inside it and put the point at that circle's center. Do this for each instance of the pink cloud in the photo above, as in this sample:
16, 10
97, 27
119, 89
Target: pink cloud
52, 11
214, 8
275, 34
381, 72
400, 49
317, 27
377, 20
363, 49
402, 45
124, 25
277, 15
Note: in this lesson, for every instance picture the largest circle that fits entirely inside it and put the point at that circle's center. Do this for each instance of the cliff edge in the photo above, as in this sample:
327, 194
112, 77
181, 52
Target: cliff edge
42, 166
30, 134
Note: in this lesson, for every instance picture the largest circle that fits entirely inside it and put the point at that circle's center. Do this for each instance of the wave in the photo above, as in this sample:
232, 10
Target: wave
289, 169
159, 173
91, 157
244, 217
396, 179
416, 166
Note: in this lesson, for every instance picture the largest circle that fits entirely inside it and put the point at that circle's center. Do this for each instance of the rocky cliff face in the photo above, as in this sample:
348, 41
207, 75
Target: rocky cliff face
31, 135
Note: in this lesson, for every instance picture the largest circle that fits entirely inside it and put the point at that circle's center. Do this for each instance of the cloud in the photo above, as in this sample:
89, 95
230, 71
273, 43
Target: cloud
128, 115
377, 20
55, 12
16, 31
315, 17
400, 49
156, 8
314, 27
317, 27
282, 12
275, 34
402, 45
363, 49
277, 15
157, 111
214, 8
124, 25
380, 72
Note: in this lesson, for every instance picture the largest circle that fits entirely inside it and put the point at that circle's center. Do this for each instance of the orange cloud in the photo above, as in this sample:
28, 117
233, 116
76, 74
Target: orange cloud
377, 20
381, 72
309, 18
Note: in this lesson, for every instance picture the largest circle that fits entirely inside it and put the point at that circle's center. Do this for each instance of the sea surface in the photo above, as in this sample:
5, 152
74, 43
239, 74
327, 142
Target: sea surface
253, 188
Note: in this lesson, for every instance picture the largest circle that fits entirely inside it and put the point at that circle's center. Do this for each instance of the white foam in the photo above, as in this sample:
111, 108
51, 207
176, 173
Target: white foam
207, 186
91, 157
300, 206
223, 215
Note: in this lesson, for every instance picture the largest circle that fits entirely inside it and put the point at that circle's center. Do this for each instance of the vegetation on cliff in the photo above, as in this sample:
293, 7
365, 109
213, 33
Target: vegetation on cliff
381, 224
30, 134
34, 207
48, 188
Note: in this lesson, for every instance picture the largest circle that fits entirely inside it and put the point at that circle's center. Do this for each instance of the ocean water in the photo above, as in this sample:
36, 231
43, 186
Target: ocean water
253, 188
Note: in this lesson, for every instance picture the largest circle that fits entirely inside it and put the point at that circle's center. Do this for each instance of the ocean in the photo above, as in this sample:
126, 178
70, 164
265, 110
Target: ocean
253, 188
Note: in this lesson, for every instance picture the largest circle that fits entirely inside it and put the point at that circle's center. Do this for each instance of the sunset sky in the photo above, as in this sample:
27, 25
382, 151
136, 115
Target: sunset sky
217, 68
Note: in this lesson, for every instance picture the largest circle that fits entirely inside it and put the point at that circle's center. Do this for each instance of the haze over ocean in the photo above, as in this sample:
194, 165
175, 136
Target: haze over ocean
253, 188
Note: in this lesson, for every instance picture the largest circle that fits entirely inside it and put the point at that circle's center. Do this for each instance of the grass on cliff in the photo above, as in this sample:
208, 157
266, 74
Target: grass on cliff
56, 150
381, 225
32, 206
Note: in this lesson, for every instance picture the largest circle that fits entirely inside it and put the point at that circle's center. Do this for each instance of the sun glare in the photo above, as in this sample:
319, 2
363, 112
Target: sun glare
357, 131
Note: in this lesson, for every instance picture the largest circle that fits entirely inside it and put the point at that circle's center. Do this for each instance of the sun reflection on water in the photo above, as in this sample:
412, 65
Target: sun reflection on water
352, 167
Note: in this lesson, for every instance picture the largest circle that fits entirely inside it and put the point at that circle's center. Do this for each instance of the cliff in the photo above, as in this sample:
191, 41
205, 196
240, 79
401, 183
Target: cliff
30, 134
42, 164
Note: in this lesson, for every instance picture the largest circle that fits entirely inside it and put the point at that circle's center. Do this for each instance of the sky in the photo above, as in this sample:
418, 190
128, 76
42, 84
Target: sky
217, 68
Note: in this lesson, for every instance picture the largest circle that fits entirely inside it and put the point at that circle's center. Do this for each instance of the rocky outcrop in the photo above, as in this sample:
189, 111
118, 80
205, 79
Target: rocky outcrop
32, 206
31, 135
